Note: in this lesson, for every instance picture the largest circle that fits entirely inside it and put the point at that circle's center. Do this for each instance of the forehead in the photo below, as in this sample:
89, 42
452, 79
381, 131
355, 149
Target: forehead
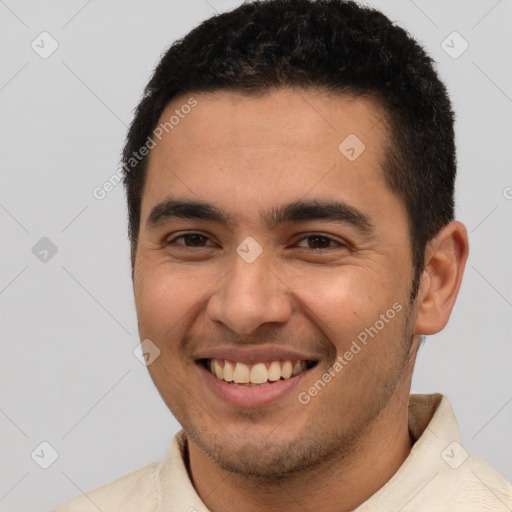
258, 149
282, 117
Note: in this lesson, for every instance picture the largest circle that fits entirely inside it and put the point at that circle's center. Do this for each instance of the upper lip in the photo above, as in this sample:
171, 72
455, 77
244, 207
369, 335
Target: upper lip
254, 354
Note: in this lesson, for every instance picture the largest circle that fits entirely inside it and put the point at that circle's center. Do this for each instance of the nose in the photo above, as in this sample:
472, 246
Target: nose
250, 295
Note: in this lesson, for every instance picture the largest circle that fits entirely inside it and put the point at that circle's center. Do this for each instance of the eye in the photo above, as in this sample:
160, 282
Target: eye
317, 241
190, 239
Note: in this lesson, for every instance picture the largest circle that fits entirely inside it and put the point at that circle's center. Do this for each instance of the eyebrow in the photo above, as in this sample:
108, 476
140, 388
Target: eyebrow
297, 211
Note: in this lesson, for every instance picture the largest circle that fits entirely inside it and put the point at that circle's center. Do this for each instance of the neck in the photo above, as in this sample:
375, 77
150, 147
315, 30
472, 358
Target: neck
341, 485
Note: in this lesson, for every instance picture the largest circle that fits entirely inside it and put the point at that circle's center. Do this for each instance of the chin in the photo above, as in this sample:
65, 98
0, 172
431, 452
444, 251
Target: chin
272, 455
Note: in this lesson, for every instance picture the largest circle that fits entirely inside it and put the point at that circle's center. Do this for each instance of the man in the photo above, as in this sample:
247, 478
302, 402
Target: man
290, 175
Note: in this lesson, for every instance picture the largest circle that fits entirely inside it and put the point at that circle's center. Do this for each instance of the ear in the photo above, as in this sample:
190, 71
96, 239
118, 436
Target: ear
445, 259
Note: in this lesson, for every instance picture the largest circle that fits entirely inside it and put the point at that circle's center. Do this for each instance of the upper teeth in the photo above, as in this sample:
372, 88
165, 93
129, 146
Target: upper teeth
259, 373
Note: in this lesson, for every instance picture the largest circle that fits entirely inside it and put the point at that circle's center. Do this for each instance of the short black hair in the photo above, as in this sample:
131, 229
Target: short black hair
332, 45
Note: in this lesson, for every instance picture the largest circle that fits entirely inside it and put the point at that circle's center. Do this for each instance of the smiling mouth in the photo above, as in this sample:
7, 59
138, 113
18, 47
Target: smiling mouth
258, 374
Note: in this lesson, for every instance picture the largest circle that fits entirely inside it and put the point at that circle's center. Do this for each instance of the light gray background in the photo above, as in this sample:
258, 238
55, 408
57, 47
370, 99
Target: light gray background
69, 376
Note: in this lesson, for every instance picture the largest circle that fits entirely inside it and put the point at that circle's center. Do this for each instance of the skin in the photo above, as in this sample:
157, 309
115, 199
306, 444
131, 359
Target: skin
247, 154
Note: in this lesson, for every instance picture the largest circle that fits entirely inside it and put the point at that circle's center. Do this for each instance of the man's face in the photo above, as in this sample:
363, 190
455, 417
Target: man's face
309, 287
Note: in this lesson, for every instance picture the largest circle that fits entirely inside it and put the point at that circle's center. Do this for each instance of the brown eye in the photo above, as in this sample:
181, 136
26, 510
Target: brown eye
191, 240
317, 241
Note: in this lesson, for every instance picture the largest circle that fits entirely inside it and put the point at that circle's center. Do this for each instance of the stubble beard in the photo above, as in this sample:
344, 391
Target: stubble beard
269, 461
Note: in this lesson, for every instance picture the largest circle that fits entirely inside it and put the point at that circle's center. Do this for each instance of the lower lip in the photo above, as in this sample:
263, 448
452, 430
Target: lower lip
251, 396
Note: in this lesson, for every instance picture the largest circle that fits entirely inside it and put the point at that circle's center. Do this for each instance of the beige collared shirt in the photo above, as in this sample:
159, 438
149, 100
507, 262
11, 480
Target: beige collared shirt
438, 475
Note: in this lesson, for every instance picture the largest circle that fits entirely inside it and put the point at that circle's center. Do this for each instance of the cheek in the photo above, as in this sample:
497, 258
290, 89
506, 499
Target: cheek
165, 296
345, 300
159, 297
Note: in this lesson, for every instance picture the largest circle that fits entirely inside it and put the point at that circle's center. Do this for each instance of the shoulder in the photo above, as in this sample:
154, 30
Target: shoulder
480, 487
137, 491
460, 479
